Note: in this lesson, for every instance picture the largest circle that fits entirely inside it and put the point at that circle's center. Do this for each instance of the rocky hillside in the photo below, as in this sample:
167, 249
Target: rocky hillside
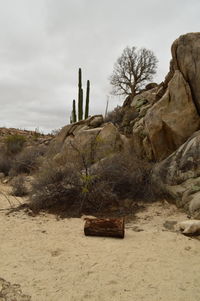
168, 114
20, 151
30, 136
161, 124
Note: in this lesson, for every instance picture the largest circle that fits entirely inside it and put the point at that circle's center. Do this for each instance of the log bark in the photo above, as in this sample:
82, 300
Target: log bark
110, 227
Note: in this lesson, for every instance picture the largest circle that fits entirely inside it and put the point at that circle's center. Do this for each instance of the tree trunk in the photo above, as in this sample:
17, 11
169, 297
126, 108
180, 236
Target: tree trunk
133, 92
112, 227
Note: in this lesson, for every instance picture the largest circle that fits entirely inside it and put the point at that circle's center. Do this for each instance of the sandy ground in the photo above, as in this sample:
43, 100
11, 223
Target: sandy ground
52, 260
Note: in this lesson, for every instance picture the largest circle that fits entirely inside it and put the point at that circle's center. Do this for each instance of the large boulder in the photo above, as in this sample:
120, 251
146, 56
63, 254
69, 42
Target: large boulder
179, 175
169, 113
87, 140
194, 205
172, 119
183, 164
186, 59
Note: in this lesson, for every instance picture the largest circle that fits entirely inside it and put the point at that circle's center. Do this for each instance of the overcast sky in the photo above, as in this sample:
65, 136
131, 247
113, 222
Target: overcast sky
44, 42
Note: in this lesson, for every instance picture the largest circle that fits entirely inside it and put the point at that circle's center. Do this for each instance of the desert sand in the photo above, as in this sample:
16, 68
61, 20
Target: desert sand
52, 260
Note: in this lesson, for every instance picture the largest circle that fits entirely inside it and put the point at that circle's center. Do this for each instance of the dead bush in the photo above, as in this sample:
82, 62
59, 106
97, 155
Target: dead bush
115, 116
128, 176
5, 163
96, 194
27, 160
18, 186
91, 189
69, 188
54, 186
14, 144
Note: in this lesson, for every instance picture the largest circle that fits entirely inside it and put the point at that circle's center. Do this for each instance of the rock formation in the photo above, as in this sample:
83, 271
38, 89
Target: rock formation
32, 137
159, 119
91, 139
169, 112
160, 124
172, 119
179, 175
186, 59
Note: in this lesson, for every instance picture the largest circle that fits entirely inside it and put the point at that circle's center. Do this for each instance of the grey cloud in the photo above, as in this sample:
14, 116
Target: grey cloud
44, 42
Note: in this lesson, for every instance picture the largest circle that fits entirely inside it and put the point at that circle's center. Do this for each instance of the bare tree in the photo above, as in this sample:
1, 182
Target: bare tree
132, 70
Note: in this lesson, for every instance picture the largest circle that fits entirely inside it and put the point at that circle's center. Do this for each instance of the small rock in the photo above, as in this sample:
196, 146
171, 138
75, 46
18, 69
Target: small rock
137, 229
169, 225
2, 175
5, 181
190, 226
96, 121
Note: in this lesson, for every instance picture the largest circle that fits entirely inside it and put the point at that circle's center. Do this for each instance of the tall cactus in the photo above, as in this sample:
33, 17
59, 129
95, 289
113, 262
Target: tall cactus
80, 95
74, 111
81, 104
73, 117
87, 100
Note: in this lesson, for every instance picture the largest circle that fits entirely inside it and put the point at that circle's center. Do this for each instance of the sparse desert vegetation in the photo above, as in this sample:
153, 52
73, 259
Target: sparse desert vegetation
140, 164
92, 189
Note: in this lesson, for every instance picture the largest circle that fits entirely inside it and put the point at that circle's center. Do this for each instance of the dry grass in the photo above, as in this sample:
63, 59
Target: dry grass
18, 186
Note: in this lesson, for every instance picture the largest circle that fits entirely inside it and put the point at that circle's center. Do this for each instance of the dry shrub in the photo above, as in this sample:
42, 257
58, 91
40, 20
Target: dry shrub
27, 160
128, 176
14, 144
68, 188
5, 163
96, 194
18, 186
91, 189
115, 116
5, 160
54, 186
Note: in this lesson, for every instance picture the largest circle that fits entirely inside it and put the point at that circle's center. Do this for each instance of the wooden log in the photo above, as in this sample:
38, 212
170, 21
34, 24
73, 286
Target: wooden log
111, 227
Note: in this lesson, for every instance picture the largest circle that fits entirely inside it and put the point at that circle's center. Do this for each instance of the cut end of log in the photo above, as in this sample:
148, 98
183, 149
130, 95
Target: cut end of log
108, 227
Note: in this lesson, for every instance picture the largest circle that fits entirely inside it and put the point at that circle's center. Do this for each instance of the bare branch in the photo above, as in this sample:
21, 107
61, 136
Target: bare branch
132, 70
